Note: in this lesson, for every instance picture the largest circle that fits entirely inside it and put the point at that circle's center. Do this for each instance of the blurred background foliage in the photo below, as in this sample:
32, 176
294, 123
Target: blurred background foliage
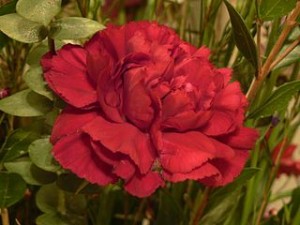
258, 39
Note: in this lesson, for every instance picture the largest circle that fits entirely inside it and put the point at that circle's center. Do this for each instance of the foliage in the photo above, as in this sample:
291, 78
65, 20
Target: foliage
258, 39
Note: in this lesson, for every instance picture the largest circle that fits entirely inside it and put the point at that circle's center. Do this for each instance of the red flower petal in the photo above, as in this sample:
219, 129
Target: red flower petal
220, 123
75, 153
183, 152
230, 98
242, 138
144, 185
228, 169
137, 103
66, 75
123, 138
70, 121
125, 169
206, 170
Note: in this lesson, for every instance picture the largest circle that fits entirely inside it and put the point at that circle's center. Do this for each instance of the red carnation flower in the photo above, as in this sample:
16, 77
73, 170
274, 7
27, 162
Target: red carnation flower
146, 107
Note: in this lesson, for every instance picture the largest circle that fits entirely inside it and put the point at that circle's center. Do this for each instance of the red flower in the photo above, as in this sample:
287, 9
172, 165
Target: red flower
287, 165
4, 92
146, 107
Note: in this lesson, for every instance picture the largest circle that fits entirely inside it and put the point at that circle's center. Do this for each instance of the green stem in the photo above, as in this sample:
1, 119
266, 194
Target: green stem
51, 46
4, 216
201, 206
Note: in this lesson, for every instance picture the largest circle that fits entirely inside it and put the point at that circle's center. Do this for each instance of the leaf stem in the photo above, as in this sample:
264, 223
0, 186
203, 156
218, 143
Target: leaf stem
202, 205
289, 24
5, 216
51, 46
285, 53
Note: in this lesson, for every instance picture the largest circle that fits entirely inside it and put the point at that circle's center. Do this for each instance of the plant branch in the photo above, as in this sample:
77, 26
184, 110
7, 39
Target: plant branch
285, 53
289, 24
4, 216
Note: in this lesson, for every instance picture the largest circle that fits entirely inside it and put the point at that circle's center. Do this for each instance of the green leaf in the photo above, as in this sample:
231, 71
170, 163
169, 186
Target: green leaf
26, 103
49, 198
170, 211
223, 199
12, 189
21, 29
41, 11
242, 36
50, 219
71, 183
3, 40
35, 55
293, 57
272, 9
35, 81
17, 144
277, 101
40, 154
74, 28
30, 173
8, 8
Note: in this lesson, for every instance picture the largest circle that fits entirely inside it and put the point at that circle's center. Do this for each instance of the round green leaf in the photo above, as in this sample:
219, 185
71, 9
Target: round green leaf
12, 189
26, 103
21, 29
35, 55
30, 173
74, 28
41, 11
40, 154
34, 79
49, 196
50, 219
17, 144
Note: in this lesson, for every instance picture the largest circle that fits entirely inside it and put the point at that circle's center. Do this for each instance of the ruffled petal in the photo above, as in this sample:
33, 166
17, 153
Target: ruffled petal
183, 152
123, 138
70, 121
242, 138
230, 98
137, 103
66, 75
228, 169
220, 123
206, 170
144, 185
75, 153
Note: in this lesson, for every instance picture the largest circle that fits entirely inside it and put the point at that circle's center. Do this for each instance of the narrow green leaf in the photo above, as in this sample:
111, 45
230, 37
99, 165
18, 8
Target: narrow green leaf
74, 28
272, 9
26, 103
35, 81
21, 29
17, 144
40, 154
170, 211
12, 189
41, 11
277, 101
242, 36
